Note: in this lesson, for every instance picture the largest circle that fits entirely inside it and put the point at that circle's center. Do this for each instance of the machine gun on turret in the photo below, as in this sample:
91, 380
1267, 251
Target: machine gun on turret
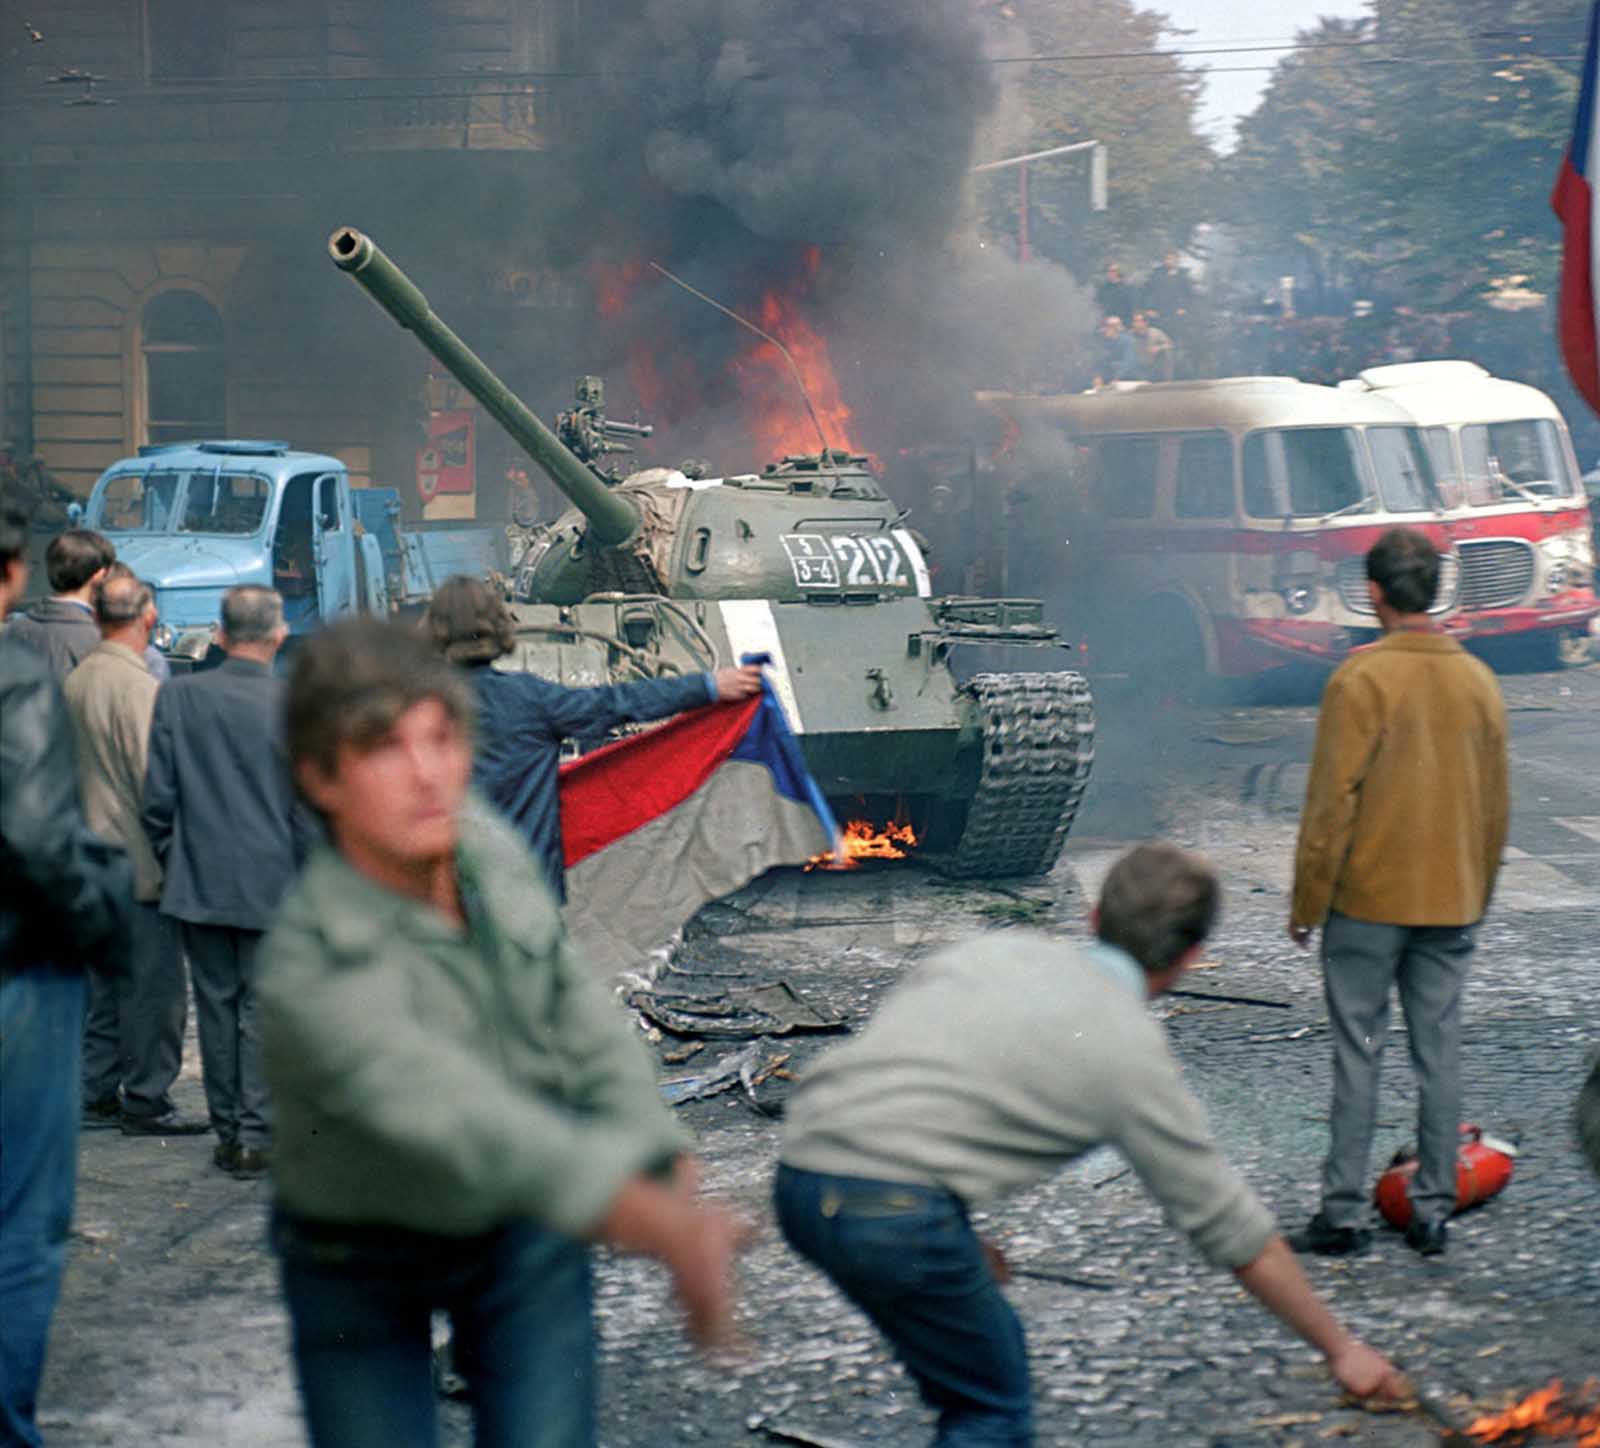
588, 432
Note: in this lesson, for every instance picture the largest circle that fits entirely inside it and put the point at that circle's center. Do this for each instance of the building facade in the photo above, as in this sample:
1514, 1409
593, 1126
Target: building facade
171, 171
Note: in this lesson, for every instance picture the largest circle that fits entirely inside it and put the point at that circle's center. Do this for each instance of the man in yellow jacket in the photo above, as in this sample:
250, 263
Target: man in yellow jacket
1400, 841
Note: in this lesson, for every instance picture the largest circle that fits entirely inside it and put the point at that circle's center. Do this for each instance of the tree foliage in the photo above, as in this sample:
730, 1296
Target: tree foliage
1409, 154
1140, 104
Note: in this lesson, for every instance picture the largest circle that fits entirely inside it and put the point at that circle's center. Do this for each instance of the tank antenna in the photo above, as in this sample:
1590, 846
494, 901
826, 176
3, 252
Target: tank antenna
799, 381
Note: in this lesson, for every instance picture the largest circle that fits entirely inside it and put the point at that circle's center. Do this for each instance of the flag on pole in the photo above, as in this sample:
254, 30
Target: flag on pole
1574, 202
655, 825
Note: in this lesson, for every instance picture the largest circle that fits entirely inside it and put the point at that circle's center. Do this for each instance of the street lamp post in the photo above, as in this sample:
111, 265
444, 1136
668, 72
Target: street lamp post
1097, 182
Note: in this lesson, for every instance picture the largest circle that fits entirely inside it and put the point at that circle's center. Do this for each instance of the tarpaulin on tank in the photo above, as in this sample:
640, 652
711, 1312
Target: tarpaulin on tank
660, 518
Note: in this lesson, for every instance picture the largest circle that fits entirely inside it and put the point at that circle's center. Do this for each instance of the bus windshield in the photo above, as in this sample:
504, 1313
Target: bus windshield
1404, 469
1505, 461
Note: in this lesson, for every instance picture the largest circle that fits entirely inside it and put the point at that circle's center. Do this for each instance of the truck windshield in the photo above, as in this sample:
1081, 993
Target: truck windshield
139, 503
1305, 472
1405, 473
225, 503
1506, 461
187, 501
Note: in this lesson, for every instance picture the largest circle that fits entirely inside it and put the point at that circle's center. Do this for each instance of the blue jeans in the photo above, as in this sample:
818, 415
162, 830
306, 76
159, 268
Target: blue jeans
361, 1301
907, 1257
41, 1042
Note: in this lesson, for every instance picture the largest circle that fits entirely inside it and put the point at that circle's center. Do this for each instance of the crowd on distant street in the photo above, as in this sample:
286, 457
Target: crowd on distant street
356, 872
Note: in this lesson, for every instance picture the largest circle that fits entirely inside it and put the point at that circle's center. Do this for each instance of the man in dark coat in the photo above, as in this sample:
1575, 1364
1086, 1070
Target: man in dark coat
220, 815
62, 627
64, 900
523, 719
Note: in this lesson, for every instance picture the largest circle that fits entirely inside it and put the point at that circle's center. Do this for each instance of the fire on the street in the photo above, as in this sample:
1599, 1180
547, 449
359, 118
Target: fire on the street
1546, 1413
862, 840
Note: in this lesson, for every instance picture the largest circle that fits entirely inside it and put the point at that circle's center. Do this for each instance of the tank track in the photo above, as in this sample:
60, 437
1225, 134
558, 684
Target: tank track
1038, 746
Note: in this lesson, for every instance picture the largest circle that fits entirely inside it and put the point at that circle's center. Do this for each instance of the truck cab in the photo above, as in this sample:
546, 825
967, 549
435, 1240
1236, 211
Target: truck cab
195, 519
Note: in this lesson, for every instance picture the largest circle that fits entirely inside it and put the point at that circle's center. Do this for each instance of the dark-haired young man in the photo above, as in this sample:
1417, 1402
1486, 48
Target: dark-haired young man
64, 897
1405, 817
998, 1062
460, 1110
523, 719
62, 627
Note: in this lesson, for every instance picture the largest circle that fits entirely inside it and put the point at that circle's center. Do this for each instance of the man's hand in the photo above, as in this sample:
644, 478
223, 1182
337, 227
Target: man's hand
1300, 934
742, 682
700, 1260
695, 1241
1368, 1374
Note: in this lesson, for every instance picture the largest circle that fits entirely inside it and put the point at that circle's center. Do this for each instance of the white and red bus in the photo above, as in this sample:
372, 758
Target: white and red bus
1518, 514
1218, 524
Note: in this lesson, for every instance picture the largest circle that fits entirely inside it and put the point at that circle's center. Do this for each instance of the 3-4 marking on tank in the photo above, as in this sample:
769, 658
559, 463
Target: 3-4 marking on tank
875, 561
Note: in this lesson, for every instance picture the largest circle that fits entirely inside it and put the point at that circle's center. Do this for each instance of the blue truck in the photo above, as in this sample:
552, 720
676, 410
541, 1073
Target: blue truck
197, 518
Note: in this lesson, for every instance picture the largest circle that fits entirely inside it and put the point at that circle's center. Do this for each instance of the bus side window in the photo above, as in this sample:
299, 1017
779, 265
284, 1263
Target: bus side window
1125, 476
1205, 477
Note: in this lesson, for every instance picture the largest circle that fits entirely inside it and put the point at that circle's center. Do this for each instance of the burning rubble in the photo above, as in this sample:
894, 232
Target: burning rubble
1545, 1414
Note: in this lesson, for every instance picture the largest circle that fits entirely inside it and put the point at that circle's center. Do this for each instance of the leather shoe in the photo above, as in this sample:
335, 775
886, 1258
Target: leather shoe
1427, 1237
102, 1115
224, 1154
250, 1162
166, 1123
1321, 1237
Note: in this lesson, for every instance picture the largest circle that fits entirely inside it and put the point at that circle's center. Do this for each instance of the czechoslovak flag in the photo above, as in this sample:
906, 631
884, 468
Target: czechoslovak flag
655, 825
1574, 202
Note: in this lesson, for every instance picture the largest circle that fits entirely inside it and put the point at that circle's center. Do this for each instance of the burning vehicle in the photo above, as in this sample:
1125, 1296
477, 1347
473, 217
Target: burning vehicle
808, 563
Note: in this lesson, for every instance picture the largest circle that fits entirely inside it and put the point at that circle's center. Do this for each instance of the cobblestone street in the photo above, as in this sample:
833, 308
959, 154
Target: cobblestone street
171, 1332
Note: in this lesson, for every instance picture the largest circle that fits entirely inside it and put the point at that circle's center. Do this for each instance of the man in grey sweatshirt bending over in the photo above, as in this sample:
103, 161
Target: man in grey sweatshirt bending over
997, 1063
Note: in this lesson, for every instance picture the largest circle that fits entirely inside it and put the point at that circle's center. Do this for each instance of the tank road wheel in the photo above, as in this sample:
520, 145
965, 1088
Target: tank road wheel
1038, 746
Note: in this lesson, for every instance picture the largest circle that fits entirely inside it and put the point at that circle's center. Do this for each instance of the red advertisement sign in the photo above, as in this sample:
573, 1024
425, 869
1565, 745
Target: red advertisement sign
448, 464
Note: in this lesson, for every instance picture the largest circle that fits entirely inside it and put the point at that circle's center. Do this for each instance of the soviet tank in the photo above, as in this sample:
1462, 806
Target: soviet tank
809, 562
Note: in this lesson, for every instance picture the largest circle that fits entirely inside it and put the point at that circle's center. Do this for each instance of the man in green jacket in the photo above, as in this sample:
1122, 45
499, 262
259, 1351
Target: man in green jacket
1405, 818
460, 1111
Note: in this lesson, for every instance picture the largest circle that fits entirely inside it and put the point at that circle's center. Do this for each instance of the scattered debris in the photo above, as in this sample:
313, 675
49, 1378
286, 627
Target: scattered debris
1115, 1176
1235, 1000
783, 1431
1019, 910
747, 1068
679, 1054
737, 1013
1287, 1420
1066, 1279
1290, 1036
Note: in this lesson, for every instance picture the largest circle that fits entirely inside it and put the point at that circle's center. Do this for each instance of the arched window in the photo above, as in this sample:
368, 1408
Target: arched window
185, 386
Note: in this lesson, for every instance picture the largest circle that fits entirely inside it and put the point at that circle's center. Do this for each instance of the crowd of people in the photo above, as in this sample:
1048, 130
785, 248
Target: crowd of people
361, 868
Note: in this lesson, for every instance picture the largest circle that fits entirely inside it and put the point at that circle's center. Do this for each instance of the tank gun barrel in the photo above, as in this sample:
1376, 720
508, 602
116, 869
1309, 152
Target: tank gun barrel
612, 518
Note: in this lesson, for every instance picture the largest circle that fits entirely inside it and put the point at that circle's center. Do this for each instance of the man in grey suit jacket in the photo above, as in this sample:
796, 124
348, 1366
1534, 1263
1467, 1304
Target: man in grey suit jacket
220, 813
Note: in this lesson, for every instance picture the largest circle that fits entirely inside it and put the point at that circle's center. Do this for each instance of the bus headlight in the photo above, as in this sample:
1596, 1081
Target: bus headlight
163, 636
1299, 598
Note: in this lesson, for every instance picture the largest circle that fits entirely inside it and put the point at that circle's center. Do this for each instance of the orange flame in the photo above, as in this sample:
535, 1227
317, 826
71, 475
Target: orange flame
1544, 1413
777, 416
862, 840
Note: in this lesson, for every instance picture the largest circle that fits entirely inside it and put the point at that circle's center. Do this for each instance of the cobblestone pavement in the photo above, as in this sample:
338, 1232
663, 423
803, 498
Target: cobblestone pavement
170, 1330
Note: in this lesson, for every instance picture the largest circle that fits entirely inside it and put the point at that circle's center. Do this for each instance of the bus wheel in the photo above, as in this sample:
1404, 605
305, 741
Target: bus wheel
1168, 653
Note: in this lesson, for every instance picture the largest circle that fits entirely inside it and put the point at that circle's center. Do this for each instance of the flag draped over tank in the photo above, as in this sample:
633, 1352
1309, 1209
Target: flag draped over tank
655, 825
1574, 202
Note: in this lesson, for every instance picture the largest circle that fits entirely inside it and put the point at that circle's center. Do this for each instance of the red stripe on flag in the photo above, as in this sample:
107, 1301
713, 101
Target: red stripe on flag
615, 790
1574, 204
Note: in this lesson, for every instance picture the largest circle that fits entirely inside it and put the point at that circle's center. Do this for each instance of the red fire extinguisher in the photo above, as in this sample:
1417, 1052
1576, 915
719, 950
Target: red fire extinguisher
1483, 1167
